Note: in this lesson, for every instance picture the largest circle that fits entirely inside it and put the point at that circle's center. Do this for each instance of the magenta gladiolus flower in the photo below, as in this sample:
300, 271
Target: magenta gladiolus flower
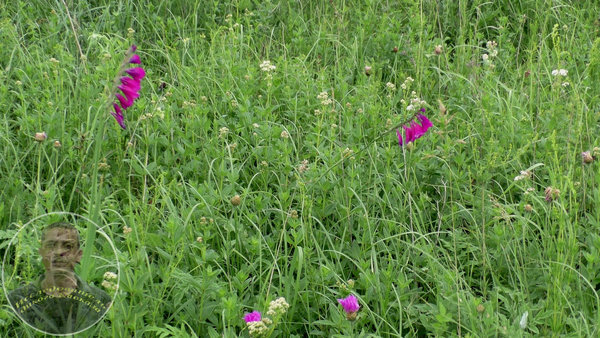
136, 73
135, 59
415, 130
350, 305
253, 316
130, 86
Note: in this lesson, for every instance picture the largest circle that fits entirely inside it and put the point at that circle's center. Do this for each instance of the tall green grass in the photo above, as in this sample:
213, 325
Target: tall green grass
434, 239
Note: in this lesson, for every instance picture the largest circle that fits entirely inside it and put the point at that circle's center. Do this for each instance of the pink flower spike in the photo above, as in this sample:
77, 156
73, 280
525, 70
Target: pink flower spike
130, 93
399, 137
124, 102
350, 304
417, 129
131, 83
409, 135
120, 119
133, 48
135, 59
426, 124
253, 316
136, 73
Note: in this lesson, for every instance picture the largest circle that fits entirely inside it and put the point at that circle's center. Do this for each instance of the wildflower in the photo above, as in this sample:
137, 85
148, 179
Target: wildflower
368, 70
560, 72
127, 230
390, 86
350, 305
415, 130
199, 239
480, 308
523, 174
303, 166
53, 60
285, 134
236, 200
109, 285
528, 208
267, 67
587, 157
395, 50
57, 144
278, 307
110, 275
130, 87
485, 57
551, 194
257, 328
223, 131
40, 137
438, 50
253, 316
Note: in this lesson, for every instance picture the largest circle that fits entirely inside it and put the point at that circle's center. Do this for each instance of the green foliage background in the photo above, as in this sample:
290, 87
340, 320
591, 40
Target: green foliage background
433, 239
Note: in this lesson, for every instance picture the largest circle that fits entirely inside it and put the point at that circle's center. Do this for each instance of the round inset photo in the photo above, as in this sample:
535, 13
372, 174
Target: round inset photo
60, 273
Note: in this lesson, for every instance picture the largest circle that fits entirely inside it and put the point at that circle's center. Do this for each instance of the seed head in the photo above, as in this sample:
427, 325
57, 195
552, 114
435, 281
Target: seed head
236, 200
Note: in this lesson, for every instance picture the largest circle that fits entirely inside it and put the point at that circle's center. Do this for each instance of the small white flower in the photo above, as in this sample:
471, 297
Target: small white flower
410, 107
110, 275
555, 72
485, 57
266, 66
565, 84
563, 72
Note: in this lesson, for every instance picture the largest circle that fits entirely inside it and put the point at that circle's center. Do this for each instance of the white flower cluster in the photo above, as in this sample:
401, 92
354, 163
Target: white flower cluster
493, 52
257, 328
416, 102
278, 307
267, 67
108, 278
407, 83
524, 174
223, 131
560, 72
324, 98
390, 86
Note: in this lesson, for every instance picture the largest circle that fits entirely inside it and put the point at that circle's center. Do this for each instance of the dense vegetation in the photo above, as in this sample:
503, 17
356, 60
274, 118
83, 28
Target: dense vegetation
261, 161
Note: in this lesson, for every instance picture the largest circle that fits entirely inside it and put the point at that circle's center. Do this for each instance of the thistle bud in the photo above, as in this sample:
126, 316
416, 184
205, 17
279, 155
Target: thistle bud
587, 157
40, 137
528, 208
236, 200
438, 50
395, 50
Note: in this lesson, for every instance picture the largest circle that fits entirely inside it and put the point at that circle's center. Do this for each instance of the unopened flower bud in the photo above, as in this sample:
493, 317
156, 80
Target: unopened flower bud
438, 50
587, 157
528, 208
368, 70
236, 200
480, 308
395, 50
40, 137
57, 144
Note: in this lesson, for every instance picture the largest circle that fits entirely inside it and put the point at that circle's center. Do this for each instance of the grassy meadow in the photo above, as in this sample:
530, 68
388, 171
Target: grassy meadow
261, 161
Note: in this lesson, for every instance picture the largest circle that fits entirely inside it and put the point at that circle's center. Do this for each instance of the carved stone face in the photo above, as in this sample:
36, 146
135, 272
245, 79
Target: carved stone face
60, 250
